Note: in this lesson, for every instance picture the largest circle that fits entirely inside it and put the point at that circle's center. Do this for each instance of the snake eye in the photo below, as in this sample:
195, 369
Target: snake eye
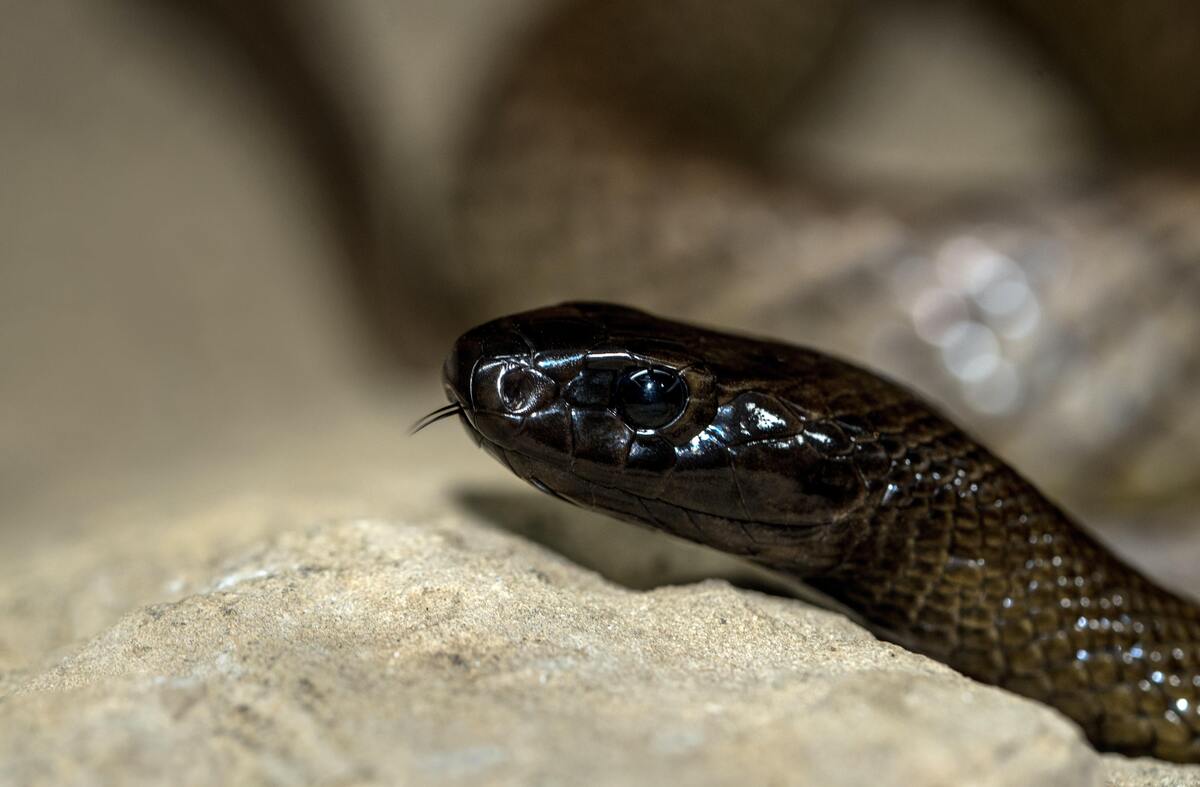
650, 398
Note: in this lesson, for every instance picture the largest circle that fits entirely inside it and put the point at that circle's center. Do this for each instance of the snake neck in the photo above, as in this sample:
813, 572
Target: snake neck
964, 560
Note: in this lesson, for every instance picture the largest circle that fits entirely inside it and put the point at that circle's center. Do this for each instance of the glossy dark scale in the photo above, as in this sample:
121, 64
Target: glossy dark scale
964, 560
818, 468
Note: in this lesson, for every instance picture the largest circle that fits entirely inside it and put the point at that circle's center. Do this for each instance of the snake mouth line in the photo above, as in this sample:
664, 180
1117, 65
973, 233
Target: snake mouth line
744, 524
541, 486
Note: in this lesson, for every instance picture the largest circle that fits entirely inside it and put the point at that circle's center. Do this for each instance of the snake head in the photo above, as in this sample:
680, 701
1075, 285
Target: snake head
720, 439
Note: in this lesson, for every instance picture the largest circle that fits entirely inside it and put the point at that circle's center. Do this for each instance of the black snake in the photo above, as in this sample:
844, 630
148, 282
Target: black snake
820, 469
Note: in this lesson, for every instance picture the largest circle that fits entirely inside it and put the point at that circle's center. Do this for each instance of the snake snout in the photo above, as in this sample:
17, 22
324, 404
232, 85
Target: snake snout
487, 342
456, 372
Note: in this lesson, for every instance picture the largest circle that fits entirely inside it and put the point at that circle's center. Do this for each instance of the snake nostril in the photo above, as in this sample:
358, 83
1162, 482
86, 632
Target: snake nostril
508, 387
517, 389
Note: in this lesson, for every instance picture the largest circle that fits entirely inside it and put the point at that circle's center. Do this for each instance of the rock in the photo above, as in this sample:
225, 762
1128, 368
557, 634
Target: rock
443, 651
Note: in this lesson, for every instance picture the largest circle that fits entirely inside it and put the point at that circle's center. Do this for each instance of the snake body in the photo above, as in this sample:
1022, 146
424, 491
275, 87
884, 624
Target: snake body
822, 470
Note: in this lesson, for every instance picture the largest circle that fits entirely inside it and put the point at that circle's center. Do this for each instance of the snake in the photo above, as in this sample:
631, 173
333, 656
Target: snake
823, 471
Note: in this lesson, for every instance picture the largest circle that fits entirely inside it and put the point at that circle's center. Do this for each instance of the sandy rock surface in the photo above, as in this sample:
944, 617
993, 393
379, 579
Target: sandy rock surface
442, 650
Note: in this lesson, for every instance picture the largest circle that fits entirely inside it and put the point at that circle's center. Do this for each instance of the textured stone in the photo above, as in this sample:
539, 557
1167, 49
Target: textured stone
445, 651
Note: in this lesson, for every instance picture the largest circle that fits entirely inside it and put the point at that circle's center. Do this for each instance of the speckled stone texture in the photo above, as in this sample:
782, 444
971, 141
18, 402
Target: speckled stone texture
445, 651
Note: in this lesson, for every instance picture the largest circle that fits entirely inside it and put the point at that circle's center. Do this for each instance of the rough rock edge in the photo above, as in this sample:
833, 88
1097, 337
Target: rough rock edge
443, 652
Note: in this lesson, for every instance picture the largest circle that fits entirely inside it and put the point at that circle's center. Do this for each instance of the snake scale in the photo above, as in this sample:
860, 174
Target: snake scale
821, 470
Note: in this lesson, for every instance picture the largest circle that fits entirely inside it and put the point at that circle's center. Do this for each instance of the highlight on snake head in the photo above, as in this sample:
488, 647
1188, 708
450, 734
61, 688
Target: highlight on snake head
664, 427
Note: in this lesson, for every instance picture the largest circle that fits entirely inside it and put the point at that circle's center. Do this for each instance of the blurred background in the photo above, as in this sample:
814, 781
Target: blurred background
236, 239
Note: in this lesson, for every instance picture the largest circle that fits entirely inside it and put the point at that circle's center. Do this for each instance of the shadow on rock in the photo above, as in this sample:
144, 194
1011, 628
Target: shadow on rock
635, 557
